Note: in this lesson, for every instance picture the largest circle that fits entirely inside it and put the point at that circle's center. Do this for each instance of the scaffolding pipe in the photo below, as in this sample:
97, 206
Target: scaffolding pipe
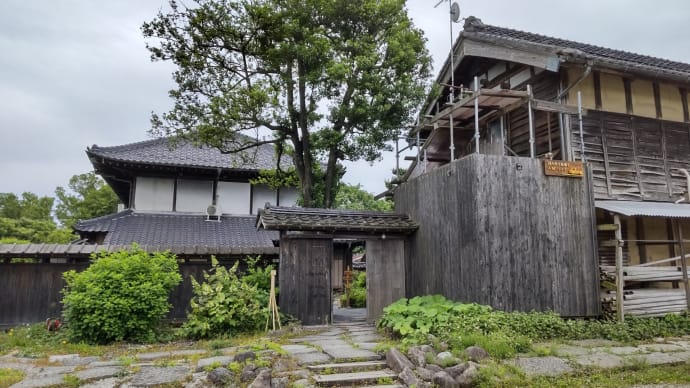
582, 136
532, 150
450, 116
476, 114
425, 160
451, 96
418, 147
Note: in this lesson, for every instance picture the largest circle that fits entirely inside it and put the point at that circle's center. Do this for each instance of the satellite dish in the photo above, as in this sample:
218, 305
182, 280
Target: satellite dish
454, 12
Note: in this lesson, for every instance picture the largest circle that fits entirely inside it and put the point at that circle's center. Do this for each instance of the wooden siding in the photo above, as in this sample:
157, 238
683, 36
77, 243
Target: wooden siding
495, 230
385, 275
305, 278
31, 292
634, 157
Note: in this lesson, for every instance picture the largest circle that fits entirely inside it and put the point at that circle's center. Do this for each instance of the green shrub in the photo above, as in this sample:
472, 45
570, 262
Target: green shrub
503, 334
120, 296
224, 304
357, 295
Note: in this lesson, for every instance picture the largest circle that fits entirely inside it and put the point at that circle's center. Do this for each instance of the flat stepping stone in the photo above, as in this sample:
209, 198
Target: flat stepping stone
568, 350
149, 376
298, 349
99, 373
111, 382
365, 338
662, 348
40, 381
657, 358
600, 360
624, 350
314, 357
211, 361
543, 366
353, 379
348, 352
152, 356
595, 343
367, 345
344, 367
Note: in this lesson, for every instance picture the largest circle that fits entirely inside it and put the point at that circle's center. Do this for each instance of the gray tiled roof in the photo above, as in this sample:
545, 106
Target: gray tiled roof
179, 230
162, 151
334, 221
475, 28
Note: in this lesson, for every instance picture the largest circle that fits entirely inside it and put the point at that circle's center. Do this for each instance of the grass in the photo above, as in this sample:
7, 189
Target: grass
9, 377
500, 375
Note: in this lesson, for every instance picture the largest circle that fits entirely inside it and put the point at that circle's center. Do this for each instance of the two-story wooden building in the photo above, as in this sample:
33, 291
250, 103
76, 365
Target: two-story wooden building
500, 225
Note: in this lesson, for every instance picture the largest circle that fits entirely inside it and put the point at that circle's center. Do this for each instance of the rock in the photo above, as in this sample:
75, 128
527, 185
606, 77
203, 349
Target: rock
476, 354
467, 378
249, 373
220, 376
443, 346
408, 377
149, 376
302, 383
425, 374
62, 358
245, 356
262, 380
434, 368
282, 365
199, 380
444, 355
418, 354
397, 361
443, 380
457, 370
213, 362
281, 382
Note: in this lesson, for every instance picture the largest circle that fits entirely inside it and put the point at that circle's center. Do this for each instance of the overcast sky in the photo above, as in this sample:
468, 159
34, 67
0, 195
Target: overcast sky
76, 72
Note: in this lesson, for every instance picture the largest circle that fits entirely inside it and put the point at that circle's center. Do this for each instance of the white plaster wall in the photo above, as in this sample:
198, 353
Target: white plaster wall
154, 194
261, 195
233, 197
288, 196
193, 195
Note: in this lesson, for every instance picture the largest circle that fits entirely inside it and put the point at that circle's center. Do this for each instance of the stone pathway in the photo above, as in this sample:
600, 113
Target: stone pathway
342, 354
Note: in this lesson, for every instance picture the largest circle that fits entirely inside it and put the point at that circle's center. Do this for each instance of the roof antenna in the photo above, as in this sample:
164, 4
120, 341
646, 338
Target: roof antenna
454, 12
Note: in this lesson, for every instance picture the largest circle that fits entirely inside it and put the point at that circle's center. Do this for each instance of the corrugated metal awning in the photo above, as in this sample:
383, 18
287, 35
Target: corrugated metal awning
646, 209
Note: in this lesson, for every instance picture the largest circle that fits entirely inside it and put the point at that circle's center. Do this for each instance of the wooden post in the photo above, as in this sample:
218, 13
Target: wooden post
619, 268
683, 262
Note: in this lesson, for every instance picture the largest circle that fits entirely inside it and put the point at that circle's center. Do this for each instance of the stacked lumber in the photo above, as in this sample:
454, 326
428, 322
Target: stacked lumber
645, 274
645, 302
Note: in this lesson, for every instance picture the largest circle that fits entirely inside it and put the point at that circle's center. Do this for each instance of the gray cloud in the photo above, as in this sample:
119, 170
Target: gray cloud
76, 72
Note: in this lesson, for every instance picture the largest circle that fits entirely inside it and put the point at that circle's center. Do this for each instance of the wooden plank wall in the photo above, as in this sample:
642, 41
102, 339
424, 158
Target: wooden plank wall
632, 157
305, 278
385, 274
495, 230
31, 292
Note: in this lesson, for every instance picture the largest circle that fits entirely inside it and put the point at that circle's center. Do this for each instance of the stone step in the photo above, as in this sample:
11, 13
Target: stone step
345, 367
384, 386
356, 379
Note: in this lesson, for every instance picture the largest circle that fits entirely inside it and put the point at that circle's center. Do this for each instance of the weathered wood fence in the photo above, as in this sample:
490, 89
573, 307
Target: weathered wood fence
495, 230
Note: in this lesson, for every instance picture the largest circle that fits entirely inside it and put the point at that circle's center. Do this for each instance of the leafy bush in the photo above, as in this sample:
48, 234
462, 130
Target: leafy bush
225, 304
120, 296
357, 295
503, 334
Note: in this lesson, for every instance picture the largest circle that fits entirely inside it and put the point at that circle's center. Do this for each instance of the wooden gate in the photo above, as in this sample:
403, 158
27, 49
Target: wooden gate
305, 278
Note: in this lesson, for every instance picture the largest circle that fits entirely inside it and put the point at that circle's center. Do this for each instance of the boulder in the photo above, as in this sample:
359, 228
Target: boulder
434, 368
418, 354
262, 380
476, 354
220, 377
397, 361
467, 379
443, 380
457, 370
244, 357
408, 377
281, 382
249, 373
425, 374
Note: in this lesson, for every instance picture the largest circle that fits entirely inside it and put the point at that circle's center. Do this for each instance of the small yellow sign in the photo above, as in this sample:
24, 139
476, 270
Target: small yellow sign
563, 168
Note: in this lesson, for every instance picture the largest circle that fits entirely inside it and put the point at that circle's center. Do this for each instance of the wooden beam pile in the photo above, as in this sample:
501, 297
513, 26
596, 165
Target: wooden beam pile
645, 274
645, 302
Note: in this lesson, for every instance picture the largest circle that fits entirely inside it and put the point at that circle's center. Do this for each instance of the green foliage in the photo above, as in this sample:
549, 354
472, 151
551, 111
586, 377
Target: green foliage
28, 219
355, 198
332, 80
276, 179
120, 296
90, 197
357, 295
225, 304
9, 377
503, 334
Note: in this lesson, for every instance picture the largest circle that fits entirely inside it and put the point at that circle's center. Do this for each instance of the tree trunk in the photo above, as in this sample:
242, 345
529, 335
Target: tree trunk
329, 189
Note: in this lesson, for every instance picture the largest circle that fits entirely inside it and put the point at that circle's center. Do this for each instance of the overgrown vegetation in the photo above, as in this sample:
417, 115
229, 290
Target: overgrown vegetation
504, 334
356, 296
9, 377
120, 296
226, 304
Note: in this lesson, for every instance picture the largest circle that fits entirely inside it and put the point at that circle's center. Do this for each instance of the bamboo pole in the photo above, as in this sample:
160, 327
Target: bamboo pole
273, 314
619, 269
683, 263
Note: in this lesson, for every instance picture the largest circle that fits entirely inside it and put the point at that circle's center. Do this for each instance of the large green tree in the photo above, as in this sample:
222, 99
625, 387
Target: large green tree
88, 197
28, 219
332, 80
